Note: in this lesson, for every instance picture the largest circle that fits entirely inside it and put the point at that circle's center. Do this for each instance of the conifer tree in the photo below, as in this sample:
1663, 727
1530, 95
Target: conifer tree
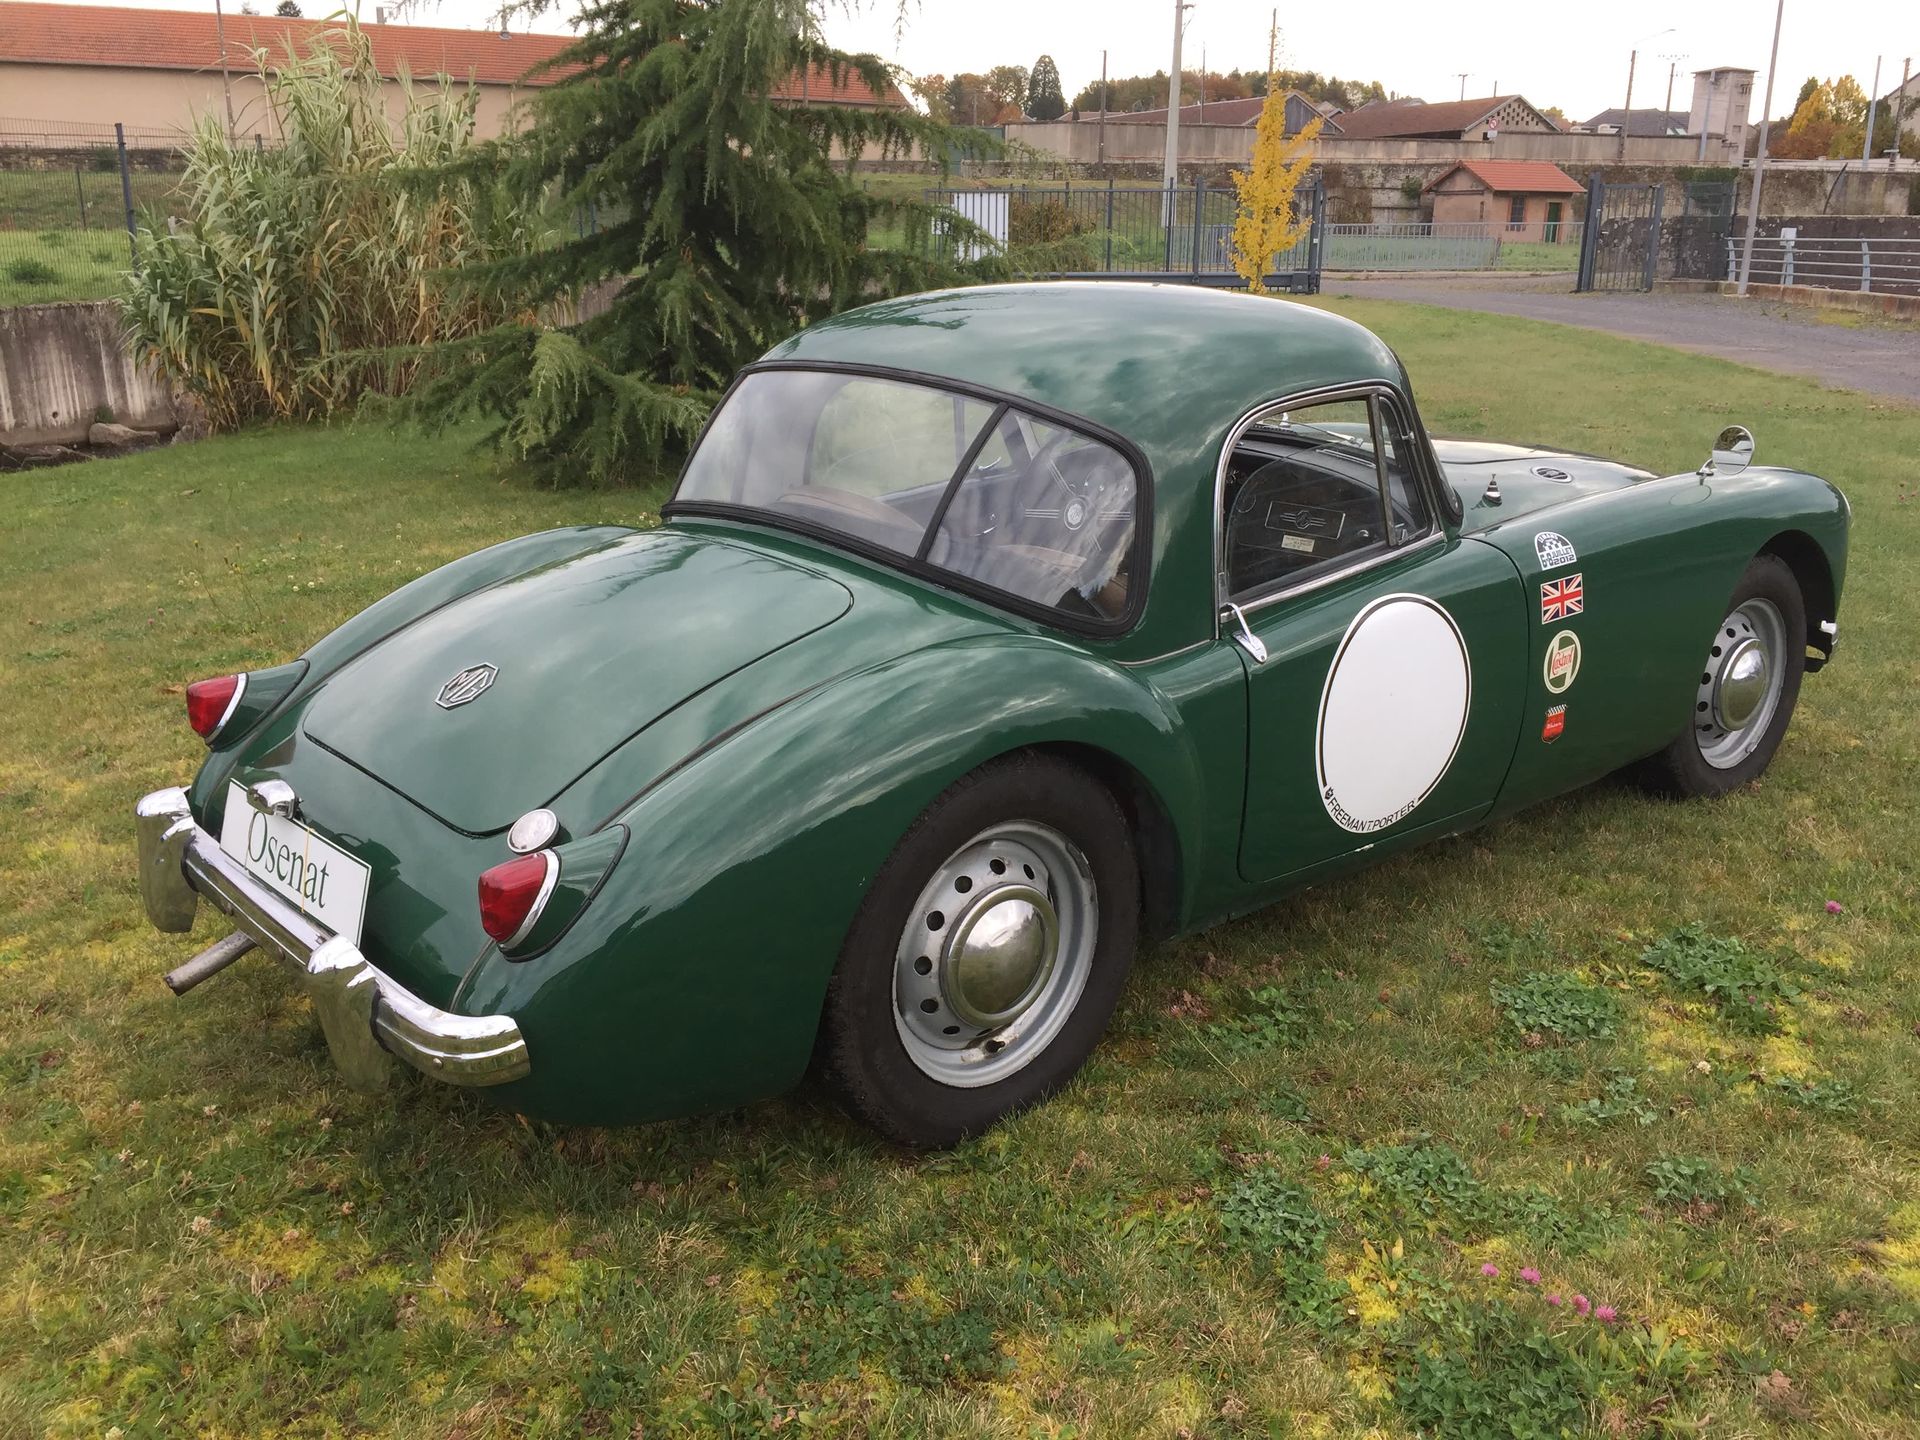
1044, 100
718, 209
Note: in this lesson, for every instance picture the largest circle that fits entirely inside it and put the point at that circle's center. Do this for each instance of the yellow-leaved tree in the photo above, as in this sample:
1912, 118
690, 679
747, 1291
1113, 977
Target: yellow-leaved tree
1266, 225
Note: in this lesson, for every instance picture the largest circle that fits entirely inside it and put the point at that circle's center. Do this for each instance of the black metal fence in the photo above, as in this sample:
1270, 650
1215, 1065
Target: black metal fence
1129, 232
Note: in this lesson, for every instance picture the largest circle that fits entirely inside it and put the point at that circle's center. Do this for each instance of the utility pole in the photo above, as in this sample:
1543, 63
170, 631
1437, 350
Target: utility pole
1626, 117
1463, 84
1203, 84
226, 80
1103, 107
1873, 102
1672, 66
1171, 170
1760, 156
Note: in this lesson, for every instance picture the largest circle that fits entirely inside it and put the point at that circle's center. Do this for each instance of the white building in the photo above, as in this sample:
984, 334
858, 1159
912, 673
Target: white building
1722, 102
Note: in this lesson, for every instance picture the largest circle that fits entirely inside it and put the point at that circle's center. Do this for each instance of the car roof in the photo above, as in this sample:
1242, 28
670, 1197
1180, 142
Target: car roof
1169, 366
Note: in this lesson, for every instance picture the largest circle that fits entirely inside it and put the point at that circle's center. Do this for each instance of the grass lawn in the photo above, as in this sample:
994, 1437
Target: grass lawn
1270, 1204
1538, 255
61, 265
47, 253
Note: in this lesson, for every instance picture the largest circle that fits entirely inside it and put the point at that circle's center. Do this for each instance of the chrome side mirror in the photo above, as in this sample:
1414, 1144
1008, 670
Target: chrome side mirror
1732, 452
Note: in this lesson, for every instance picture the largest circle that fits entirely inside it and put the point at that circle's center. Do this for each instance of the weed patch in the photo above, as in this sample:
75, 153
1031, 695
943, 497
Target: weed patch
1747, 987
1264, 1211
1552, 1003
1270, 1020
1619, 1099
1695, 1181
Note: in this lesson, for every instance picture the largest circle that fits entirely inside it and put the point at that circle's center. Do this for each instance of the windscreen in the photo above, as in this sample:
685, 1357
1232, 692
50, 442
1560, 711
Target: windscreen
1008, 501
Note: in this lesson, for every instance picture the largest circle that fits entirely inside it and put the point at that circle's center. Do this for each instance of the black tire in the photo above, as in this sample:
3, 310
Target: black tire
1683, 767
864, 1057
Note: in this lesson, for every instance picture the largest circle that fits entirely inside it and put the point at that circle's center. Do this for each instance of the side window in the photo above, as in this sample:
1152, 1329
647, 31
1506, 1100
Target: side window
1314, 488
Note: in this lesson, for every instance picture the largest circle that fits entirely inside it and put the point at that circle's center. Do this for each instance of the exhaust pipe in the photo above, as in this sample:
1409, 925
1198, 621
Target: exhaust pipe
209, 962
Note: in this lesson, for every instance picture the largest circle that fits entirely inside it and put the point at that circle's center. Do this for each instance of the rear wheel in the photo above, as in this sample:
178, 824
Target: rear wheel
1749, 681
988, 955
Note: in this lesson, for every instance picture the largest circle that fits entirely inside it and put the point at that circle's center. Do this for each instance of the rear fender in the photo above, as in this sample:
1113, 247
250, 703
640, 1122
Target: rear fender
695, 979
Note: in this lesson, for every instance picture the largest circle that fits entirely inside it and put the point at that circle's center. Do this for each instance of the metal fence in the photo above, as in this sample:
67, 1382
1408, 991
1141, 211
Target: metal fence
1546, 245
1183, 232
1876, 265
67, 215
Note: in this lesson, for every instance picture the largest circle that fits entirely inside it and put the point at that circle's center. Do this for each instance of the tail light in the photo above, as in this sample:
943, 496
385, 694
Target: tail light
513, 893
211, 703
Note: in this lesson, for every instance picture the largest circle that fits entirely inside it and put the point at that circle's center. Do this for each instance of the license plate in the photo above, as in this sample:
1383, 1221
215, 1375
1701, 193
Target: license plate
317, 876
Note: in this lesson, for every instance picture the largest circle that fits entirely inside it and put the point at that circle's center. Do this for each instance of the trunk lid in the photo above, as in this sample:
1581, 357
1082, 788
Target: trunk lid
584, 654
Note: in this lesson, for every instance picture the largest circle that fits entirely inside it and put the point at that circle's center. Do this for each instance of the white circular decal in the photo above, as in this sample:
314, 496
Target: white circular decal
1393, 712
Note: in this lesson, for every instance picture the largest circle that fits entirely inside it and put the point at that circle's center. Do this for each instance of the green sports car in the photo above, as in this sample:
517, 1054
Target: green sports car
987, 632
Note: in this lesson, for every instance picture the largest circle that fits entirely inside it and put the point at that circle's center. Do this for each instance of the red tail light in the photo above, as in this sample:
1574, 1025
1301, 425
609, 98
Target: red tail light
211, 702
513, 893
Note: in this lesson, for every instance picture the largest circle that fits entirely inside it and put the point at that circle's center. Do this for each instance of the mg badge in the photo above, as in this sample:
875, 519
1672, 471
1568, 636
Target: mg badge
470, 684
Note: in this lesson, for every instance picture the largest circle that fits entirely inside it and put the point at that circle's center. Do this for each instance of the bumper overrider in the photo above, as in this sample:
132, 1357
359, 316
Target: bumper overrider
369, 1018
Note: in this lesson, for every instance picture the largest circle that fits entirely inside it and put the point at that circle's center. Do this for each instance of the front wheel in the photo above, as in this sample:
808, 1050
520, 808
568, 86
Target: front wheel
988, 955
1749, 681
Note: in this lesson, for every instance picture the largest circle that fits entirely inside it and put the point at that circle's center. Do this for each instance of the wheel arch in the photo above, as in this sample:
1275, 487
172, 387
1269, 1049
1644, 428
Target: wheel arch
1156, 839
1802, 554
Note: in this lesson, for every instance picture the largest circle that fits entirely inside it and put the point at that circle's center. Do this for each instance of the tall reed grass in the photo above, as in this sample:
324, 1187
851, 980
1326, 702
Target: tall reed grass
303, 267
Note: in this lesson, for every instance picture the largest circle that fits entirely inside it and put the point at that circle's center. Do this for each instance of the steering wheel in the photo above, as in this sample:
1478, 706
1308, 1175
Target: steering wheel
1083, 496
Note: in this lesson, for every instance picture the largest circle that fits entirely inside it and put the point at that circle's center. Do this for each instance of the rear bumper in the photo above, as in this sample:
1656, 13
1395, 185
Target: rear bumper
369, 1018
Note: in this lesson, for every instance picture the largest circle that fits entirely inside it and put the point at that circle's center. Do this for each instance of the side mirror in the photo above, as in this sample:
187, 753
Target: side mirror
1732, 452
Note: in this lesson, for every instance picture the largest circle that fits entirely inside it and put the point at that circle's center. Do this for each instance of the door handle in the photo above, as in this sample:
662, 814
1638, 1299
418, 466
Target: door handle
1243, 636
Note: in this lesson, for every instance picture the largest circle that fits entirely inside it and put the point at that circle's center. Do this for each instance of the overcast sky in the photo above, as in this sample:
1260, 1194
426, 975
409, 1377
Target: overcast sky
1570, 55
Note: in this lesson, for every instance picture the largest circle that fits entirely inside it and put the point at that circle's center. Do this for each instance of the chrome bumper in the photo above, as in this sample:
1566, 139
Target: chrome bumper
369, 1018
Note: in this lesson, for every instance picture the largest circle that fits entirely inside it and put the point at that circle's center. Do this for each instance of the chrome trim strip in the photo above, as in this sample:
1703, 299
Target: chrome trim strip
233, 704
547, 882
1320, 582
369, 1018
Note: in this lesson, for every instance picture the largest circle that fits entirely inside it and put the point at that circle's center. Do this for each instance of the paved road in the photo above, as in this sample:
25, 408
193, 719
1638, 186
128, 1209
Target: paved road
1882, 358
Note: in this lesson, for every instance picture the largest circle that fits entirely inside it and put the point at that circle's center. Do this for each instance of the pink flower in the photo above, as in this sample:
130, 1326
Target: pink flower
1834, 907
1490, 1270
1605, 1314
1530, 1275
1581, 1304
1554, 1299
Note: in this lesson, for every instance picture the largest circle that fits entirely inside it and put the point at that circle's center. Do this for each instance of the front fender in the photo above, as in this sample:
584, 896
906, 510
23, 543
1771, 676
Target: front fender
695, 980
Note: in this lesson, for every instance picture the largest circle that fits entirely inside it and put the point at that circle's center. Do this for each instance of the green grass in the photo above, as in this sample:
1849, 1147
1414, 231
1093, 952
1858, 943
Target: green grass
1264, 1208
47, 253
61, 265
1538, 255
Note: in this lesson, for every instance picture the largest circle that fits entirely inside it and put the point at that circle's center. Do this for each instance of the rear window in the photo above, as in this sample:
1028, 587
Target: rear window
984, 492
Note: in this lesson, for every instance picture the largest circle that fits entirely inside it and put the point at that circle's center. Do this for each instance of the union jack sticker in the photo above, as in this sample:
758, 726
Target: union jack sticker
1561, 598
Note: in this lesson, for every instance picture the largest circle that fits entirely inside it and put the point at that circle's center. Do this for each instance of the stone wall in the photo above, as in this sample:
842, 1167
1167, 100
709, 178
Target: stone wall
64, 366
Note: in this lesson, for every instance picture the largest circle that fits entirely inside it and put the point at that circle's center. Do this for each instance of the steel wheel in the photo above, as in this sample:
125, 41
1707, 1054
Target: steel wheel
1741, 685
995, 953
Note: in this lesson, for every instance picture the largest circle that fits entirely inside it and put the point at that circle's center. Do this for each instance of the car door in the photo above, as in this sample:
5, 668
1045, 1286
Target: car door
1384, 655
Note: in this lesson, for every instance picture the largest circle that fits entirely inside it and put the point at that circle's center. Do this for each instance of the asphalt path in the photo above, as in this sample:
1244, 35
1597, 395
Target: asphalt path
1881, 357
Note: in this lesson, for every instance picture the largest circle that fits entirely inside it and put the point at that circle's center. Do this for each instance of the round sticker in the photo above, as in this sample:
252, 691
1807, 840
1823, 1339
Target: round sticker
1393, 712
1563, 661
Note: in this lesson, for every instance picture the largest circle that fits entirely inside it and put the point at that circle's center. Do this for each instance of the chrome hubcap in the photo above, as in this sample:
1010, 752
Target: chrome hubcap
1002, 951
1740, 686
995, 954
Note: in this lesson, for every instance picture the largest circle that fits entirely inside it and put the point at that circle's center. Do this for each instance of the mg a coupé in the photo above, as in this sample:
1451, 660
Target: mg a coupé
986, 632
